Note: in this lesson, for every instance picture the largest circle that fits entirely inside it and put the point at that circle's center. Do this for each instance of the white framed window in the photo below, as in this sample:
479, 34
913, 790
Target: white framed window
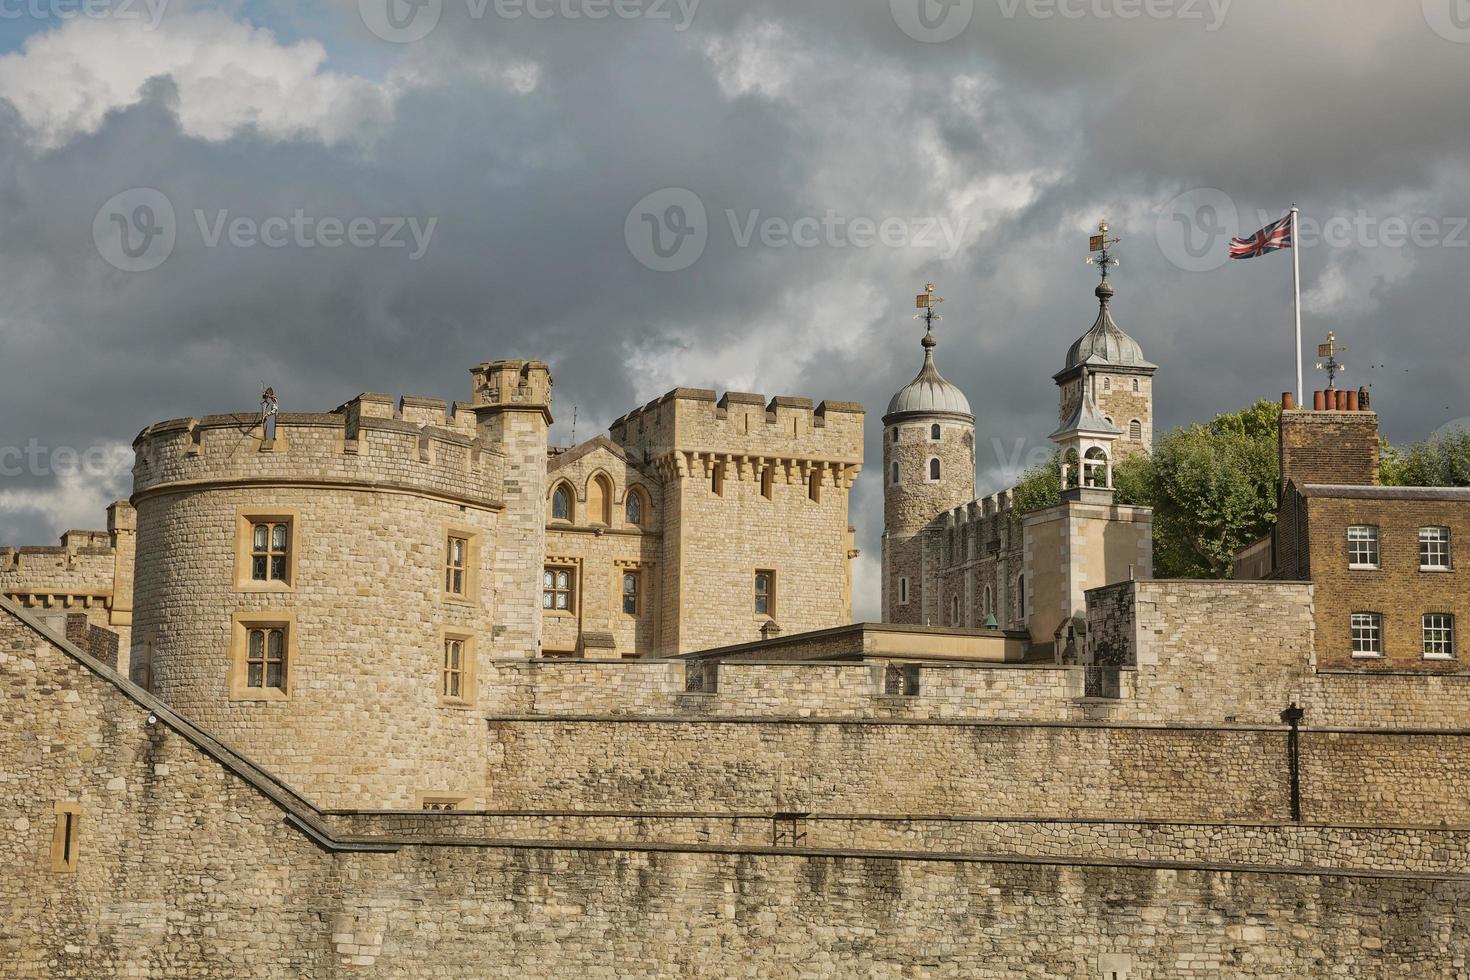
1367, 635
1363, 547
1434, 549
1439, 636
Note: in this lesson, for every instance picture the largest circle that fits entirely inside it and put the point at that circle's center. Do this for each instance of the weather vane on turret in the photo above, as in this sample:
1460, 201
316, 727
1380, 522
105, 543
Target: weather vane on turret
1333, 366
927, 302
1102, 246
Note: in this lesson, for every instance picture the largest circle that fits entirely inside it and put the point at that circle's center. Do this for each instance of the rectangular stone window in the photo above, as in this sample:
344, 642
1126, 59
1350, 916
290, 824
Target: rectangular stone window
765, 592
1434, 549
768, 482
717, 479
265, 658
558, 589
903, 590
456, 564
1367, 635
1439, 636
1363, 547
453, 673
265, 551
270, 552
632, 593
441, 804
64, 837
261, 656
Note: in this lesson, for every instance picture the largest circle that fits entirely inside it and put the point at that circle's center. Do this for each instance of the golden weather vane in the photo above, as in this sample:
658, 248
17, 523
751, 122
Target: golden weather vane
1333, 366
1102, 245
927, 302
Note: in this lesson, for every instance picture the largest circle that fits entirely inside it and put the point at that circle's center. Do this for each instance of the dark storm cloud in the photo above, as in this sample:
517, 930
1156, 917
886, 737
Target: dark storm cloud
529, 140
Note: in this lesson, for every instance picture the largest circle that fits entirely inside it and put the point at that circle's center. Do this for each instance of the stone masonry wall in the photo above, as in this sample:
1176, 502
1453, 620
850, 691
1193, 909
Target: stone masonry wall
187, 868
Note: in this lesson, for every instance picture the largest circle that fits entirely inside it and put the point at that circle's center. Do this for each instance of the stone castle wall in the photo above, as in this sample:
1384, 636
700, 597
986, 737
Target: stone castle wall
190, 862
90, 573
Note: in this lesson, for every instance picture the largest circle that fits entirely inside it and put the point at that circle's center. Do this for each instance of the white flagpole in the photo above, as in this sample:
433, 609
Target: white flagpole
1296, 278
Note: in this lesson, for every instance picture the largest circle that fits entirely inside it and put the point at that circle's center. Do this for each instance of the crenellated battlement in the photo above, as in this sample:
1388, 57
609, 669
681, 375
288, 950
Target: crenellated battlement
371, 442
698, 422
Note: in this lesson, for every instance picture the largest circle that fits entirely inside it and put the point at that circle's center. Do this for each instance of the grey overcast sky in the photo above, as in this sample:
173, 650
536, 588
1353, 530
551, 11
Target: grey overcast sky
499, 157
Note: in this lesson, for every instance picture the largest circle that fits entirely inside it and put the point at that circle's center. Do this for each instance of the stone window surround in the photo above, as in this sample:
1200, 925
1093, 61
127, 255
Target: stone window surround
573, 567
770, 595
467, 671
637, 594
440, 801
571, 497
471, 594
930, 468
238, 679
245, 522
66, 837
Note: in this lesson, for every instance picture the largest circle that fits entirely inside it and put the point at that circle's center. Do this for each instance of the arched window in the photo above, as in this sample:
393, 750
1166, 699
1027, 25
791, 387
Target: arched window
934, 469
935, 432
1095, 468
893, 474
599, 500
1135, 384
633, 507
1107, 384
561, 503
1135, 430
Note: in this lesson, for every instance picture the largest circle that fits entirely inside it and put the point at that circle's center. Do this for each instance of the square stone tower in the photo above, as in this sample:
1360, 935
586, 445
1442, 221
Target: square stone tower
512, 403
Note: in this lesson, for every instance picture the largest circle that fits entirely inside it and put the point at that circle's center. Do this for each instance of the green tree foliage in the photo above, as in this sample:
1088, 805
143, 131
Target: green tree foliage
1212, 487
1440, 461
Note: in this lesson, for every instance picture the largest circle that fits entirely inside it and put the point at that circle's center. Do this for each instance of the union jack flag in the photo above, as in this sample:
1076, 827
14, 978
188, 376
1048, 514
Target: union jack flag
1268, 239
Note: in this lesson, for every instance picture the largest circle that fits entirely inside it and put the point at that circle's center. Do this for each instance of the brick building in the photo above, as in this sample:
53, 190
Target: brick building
1391, 591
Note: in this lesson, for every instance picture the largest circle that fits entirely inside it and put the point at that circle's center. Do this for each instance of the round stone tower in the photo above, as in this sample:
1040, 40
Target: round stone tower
928, 469
318, 589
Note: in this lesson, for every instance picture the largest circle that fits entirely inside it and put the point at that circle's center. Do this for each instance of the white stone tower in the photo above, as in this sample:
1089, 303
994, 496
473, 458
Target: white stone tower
928, 468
